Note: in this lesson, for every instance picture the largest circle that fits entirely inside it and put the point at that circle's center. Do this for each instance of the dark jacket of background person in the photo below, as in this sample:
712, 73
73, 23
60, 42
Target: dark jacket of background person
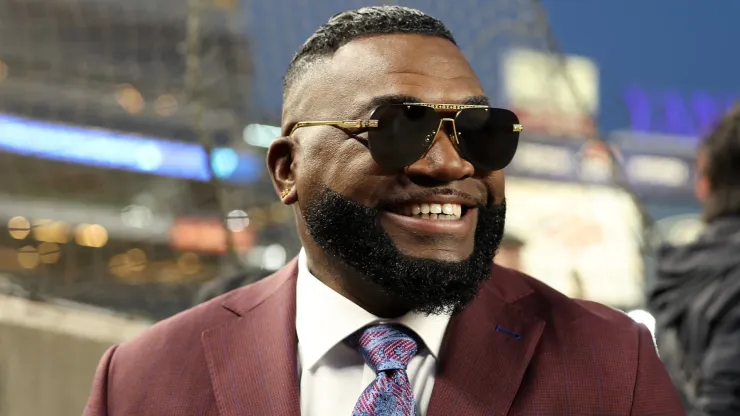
696, 302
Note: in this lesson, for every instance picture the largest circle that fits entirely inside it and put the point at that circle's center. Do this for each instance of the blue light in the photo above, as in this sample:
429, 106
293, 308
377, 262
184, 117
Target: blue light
224, 162
674, 113
249, 169
639, 108
707, 111
107, 149
149, 158
678, 120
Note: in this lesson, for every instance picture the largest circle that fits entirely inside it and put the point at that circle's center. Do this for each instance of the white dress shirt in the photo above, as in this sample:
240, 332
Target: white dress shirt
332, 374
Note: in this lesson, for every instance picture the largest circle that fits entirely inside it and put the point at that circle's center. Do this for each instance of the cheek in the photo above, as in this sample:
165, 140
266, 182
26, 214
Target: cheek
345, 166
496, 185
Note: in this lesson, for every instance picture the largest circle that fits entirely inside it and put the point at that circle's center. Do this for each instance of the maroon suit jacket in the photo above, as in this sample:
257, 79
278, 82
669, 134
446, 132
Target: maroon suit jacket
520, 348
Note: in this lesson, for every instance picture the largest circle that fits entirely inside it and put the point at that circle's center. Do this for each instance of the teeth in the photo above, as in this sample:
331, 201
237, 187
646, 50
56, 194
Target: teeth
443, 212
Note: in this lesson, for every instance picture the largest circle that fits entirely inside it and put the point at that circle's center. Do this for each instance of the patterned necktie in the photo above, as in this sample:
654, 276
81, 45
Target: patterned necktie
387, 349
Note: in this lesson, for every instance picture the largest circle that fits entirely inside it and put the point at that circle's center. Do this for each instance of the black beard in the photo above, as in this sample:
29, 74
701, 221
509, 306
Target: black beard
351, 232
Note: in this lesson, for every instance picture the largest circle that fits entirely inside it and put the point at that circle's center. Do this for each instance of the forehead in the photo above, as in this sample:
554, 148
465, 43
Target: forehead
429, 68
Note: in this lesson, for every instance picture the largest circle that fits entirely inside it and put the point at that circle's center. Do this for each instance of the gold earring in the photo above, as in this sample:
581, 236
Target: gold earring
285, 193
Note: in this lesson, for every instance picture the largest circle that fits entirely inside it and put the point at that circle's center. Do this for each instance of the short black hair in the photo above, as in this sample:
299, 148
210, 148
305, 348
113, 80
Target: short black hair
721, 153
347, 26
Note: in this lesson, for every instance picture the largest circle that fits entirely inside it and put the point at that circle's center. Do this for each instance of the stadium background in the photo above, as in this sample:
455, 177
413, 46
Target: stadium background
133, 138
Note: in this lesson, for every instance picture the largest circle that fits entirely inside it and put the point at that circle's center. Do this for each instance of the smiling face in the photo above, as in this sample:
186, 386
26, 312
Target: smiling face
425, 234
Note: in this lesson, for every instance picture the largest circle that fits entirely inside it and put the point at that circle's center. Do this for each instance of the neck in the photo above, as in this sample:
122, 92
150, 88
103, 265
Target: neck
350, 284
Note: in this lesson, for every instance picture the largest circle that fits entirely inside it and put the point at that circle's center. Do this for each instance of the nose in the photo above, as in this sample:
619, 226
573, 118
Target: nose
442, 162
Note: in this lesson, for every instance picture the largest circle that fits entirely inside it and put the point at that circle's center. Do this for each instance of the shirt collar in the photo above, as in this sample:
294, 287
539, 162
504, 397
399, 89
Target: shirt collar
319, 329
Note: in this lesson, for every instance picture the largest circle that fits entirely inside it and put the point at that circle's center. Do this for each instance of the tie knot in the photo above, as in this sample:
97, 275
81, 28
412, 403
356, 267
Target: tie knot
385, 347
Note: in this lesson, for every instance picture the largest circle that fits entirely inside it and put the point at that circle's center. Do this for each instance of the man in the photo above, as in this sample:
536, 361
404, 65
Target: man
696, 300
394, 306
510, 252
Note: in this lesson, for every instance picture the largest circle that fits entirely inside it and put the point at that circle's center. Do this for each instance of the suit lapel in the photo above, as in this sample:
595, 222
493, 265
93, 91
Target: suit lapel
485, 355
252, 359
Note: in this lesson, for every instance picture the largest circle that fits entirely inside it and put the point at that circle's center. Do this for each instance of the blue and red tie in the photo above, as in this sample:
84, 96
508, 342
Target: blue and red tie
387, 349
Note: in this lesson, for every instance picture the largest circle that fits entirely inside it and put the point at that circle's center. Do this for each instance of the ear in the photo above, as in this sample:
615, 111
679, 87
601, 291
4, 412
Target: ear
701, 182
282, 167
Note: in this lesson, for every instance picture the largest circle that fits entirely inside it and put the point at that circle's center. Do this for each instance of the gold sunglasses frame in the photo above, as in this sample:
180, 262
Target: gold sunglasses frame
358, 124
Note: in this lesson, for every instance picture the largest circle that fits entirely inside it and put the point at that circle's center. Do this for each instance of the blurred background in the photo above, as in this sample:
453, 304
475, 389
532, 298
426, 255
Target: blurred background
133, 136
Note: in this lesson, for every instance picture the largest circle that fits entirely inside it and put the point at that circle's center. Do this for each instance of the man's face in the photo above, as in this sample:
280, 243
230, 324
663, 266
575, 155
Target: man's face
358, 212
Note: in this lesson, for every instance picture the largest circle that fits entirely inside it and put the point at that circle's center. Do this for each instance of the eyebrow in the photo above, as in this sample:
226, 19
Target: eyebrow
402, 99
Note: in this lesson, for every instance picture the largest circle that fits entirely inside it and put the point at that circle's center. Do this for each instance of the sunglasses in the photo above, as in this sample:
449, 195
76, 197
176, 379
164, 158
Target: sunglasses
401, 134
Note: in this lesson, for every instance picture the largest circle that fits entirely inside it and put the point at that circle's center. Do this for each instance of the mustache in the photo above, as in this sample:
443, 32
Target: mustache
403, 197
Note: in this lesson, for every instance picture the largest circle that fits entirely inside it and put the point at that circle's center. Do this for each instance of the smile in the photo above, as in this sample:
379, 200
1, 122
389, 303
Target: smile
432, 211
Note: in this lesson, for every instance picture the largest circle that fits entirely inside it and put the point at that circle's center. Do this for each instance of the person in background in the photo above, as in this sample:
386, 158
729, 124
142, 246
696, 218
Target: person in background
696, 297
510, 252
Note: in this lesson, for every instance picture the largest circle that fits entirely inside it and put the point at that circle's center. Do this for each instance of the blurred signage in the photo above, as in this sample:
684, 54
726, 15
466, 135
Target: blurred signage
260, 135
654, 170
108, 149
649, 174
596, 161
552, 95
670, 112
580, 240
208, 236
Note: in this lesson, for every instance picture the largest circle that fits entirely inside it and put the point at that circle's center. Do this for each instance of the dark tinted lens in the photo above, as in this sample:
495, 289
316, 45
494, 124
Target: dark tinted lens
403, 134
487, 136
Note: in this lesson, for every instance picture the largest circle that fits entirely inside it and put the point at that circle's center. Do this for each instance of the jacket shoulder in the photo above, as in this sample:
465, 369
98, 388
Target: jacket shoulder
166, 365
179, 337
144, 372
555, 308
